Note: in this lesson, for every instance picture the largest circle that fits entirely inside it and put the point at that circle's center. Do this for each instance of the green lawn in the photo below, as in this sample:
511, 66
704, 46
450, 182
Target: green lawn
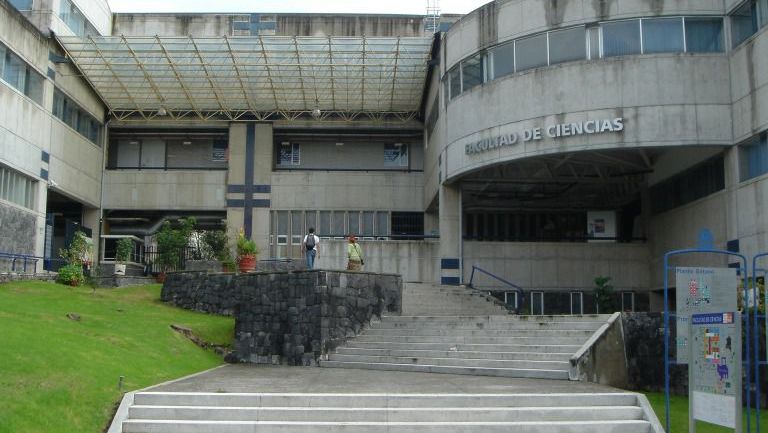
678, 406
60, 375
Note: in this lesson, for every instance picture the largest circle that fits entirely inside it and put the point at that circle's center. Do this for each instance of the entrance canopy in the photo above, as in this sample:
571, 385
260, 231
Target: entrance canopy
265, 77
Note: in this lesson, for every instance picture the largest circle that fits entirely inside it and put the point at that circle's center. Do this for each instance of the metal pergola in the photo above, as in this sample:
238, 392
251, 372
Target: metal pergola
261, 78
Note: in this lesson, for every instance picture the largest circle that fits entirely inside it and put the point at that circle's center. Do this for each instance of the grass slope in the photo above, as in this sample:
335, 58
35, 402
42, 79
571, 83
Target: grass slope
678, 423
60, 375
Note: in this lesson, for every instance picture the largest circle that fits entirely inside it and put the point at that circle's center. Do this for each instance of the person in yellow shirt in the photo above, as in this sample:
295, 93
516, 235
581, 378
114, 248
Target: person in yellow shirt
355, 260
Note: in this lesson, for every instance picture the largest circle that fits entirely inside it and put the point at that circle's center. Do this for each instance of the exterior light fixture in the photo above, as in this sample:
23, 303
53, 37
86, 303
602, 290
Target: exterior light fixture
162, 112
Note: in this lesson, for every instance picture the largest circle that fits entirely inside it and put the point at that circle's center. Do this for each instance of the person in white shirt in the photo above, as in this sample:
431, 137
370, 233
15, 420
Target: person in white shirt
310, 246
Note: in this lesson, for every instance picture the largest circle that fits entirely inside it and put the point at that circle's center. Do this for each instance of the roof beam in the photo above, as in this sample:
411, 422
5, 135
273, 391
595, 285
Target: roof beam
179, 79
219, 99
149, 79
269, 73
239, 76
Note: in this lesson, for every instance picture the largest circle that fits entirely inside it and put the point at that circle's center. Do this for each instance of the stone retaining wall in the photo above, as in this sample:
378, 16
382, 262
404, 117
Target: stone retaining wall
8, 277
288, 317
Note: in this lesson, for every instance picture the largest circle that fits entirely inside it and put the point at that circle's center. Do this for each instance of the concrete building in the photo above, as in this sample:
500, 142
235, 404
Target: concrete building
547, 143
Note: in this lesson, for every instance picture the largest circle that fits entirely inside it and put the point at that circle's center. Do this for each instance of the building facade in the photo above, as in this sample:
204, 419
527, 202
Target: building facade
548, 143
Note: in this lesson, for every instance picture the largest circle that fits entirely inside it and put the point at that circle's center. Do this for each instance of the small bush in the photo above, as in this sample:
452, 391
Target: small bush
124, 250
215, 245
71, 275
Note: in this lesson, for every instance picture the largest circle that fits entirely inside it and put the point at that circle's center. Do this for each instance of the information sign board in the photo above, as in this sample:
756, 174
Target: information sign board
701, 290
714, 370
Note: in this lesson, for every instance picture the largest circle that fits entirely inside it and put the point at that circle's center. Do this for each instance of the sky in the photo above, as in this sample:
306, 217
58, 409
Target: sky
301, 6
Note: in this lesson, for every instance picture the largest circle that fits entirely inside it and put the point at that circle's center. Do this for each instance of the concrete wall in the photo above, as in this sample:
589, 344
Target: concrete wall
559, 266
45, 16
134, 24
414, 260
157, 190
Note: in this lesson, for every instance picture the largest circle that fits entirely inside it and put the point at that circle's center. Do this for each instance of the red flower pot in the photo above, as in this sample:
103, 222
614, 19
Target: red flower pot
247, 264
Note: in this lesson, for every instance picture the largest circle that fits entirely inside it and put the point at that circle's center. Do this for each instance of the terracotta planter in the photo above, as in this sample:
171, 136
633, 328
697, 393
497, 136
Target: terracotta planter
246, 263
160, 278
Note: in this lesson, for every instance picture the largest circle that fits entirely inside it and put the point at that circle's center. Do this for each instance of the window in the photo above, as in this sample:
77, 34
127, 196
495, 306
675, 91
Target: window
628, 301
704, 35
593, 40
290, 154
76, 118
396, 155
382, 224
19, 75
621, 38
577, 303
353, 223
282, 227
325, 224
454, 80
567, 45
297, 229
537, 303
310, 220
744, 22
165, 150
472, 72
510, 300
75, 20
337, 229
503, 59
368, 229
407, 224
692, 184
531, 52
663, 35
17, 188
22, 5
754, 158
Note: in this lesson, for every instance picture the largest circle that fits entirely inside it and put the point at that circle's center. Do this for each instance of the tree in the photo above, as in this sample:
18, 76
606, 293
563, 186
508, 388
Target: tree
172, 241
604, 295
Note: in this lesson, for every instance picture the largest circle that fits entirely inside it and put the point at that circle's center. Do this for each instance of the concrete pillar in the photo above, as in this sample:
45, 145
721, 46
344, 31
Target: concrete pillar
450, 235
249, 182
91, 220
732, 204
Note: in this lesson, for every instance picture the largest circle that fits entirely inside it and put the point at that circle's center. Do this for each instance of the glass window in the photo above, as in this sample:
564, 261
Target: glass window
128, 153
310, 220
17, 188
503, 59
593, 39
754, 158
297, 229
567, 45
744, 22
692, 184
382, 223
338, 224
396, 155
325, 224
153, 153
472, 72
15, 71
510, 299
537, 303
22, 5
290, 154
663, 35
704, 35
367, 224
621, 38
454, 77
763, 12
531, 52
627, 301
75, 117
353, 223
577, 303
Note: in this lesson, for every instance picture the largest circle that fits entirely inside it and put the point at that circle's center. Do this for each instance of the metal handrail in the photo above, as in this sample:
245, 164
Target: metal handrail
24, 257
515, 287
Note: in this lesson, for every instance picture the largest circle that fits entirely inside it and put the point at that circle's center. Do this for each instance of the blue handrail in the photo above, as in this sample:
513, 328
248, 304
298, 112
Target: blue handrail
23, 257
515, 287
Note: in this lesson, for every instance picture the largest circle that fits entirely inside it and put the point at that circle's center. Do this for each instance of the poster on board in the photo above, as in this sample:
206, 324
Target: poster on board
701, 290
715, 368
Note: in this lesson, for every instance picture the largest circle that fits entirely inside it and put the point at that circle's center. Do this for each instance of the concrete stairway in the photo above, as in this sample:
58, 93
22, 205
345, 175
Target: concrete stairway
157, 412
436, 300
511, 346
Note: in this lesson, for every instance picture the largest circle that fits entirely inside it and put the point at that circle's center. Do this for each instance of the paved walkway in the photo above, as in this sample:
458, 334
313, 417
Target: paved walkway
279, 379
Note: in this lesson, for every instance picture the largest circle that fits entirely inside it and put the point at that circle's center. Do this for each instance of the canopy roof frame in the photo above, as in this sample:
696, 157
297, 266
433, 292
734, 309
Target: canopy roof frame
262, 78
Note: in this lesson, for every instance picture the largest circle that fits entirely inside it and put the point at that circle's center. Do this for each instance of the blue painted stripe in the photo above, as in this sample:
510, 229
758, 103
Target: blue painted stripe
242, 189
452, 281
45, 156
449, 264
51, 74
250, 151
235, 203
240, 203
44, 173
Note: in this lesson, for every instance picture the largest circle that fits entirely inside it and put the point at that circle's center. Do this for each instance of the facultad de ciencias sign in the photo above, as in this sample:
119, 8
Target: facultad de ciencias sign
555, 131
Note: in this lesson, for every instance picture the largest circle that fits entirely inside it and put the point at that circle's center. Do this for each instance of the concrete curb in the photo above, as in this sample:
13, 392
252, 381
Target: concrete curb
649, 414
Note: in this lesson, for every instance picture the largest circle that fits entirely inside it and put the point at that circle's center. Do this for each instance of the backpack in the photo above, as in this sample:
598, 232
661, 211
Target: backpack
310, 243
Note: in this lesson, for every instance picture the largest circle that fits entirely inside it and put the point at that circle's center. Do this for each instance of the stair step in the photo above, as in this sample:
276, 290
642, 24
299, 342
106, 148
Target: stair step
436, 332
179, 426
510, 324
284, 400
542, 356
454, 362
449, 369
544, 348
460, 339
383, 415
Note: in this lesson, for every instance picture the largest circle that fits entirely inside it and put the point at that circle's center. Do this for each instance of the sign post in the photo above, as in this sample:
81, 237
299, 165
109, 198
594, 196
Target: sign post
714, 370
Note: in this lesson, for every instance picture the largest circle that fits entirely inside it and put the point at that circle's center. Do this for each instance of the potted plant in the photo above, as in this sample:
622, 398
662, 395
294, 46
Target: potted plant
246, 253
122, 255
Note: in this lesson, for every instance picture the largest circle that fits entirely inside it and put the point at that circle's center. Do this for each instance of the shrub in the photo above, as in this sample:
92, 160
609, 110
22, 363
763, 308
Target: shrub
604, 295
124, 250
215, 245
171, 242
77, 253
71, 275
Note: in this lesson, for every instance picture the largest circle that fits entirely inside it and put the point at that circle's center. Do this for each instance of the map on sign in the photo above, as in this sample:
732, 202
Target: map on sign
715, 367
701, 290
